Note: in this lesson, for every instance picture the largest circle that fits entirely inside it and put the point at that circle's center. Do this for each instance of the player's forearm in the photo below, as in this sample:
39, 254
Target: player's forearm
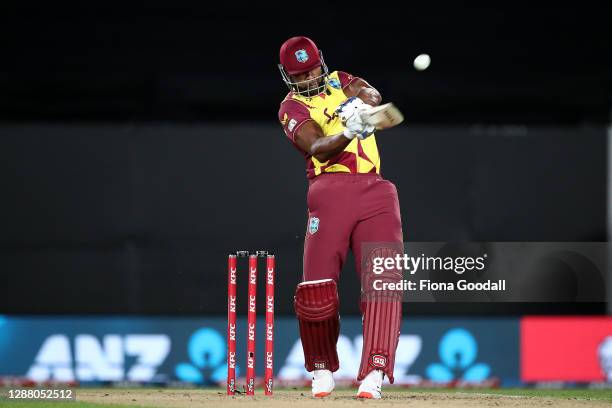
370, 96
325, 148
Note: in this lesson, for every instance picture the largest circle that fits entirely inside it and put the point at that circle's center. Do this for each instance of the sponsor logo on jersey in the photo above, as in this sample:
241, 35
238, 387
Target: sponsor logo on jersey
330, 117
292, 124
334, 83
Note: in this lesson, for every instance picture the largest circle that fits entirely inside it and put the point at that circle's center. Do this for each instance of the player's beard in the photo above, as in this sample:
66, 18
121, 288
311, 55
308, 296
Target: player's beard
314, 88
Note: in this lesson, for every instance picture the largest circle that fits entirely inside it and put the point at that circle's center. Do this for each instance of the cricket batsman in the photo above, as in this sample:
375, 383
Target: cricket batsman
349, 203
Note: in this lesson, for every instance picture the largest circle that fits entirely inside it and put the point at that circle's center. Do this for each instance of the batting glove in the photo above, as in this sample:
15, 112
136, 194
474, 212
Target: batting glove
367, 131
349, 114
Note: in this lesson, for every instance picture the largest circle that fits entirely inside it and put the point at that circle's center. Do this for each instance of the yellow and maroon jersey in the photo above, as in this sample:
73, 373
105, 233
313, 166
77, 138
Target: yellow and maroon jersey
360, 156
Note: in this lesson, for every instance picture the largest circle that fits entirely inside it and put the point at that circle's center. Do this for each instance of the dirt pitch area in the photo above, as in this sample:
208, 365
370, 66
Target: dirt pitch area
345, 398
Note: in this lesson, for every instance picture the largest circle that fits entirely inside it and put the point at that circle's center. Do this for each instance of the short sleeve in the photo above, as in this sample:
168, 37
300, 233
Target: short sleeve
346, 78
292, 114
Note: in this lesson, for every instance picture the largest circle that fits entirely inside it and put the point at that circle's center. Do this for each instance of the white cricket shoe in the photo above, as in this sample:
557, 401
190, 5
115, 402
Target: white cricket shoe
371, 386
322, 383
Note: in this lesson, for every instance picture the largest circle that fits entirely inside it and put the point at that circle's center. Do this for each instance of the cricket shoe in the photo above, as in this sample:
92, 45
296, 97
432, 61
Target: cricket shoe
322, 383
371, 386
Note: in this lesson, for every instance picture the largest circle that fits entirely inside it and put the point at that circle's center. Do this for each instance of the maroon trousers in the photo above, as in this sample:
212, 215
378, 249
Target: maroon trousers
346, 210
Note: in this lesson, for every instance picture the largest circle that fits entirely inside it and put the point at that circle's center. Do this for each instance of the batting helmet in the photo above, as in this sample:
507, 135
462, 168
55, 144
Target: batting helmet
297, 56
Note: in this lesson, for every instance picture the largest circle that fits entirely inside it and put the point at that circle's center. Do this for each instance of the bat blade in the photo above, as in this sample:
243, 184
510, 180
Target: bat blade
383, 116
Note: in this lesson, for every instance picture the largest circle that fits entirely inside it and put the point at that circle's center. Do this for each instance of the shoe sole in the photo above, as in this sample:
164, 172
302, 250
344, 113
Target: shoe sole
366, 395
322, 394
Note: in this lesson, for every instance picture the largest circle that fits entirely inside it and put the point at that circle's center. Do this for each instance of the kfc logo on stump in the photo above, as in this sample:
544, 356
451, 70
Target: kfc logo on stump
232, 331
270, 276
232, 359
378, 360
251, 331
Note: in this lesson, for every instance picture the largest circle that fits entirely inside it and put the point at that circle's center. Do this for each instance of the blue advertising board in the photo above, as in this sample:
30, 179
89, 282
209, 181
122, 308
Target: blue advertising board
190, 349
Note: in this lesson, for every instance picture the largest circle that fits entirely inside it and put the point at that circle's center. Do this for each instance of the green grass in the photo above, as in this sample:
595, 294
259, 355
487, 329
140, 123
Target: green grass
569, 393
56, 404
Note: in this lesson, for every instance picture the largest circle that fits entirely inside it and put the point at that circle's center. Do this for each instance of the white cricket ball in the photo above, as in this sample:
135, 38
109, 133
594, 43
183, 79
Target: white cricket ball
422, 62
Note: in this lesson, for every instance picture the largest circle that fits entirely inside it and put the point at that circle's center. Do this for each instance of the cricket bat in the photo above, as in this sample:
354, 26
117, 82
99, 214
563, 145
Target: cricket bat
383, 116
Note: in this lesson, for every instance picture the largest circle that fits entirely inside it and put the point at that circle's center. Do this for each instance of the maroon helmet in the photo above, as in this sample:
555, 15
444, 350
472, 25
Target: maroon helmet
297, 56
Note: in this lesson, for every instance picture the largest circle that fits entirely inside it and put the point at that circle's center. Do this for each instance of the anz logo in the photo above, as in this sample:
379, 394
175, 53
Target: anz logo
458, 351
207, 351
349, 354
113, 357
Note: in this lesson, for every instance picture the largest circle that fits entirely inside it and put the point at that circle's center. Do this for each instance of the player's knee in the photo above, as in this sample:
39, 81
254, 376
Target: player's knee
316, 300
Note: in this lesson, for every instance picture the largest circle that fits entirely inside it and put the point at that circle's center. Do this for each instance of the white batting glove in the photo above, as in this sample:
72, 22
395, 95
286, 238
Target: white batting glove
367, 131
349, 114
347, 108
353, 127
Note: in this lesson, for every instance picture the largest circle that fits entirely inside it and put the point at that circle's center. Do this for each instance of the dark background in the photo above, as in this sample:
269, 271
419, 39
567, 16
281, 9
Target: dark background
138, 146
503, 62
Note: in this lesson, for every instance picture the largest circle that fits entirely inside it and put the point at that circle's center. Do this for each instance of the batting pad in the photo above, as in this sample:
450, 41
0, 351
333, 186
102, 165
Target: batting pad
316, 307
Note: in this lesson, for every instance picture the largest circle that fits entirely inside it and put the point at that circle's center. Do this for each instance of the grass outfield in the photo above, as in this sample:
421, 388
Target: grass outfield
414, 397
580, 393
47, 404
